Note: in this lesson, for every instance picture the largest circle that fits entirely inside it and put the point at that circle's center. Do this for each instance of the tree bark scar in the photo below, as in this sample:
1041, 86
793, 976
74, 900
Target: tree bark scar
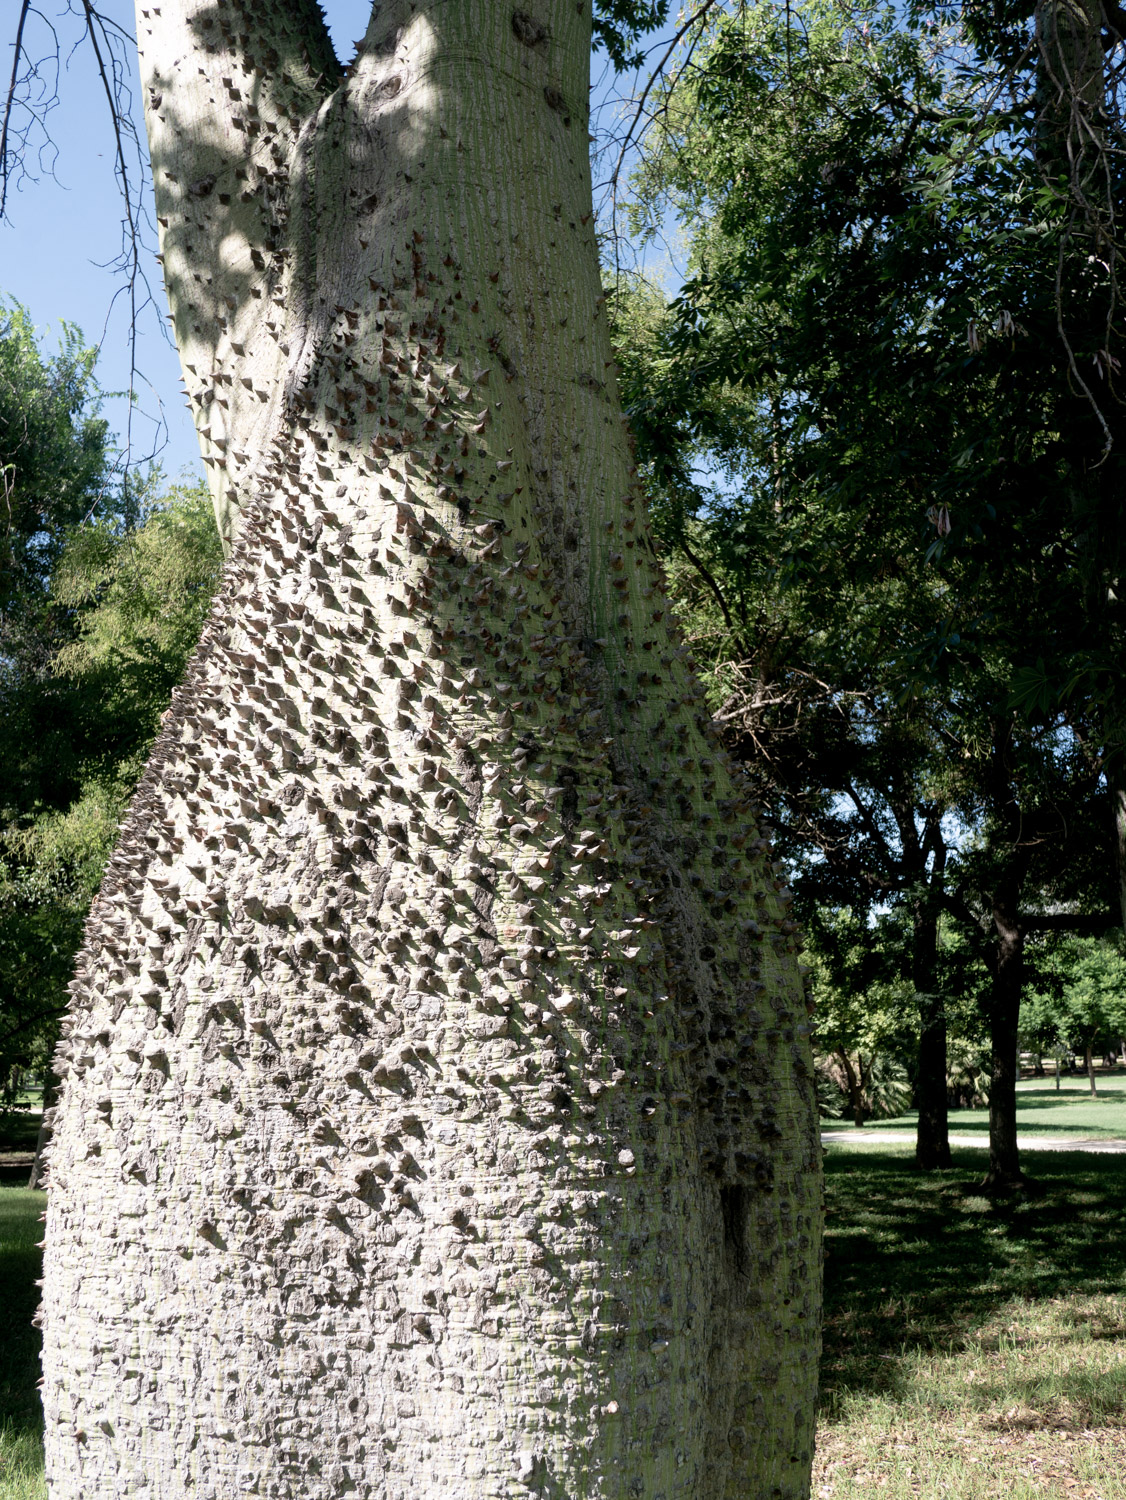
308, 319
733, 1206
528, 30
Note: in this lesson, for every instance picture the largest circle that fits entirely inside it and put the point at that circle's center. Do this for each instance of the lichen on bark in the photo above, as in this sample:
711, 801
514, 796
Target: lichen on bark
438, 1113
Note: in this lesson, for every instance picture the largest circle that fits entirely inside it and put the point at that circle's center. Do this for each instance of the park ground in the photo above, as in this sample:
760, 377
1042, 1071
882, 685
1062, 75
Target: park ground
1068, 1113
973, 1347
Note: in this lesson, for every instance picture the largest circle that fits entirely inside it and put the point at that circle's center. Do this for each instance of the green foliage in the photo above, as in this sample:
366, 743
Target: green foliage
870, 339
863, 1014
875, 480
50, 867
1080, 1001
620, 25
54, 459
139, 598
133, 600
859, 996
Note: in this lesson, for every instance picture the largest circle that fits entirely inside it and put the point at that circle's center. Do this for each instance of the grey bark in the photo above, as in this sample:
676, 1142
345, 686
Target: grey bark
438, 1110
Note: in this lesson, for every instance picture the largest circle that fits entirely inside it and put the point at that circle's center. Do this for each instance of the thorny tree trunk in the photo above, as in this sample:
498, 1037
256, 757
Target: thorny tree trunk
1004, 1019
438, 1113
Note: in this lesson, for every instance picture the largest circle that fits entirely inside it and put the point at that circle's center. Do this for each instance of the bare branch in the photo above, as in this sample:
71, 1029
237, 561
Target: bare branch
709, 579
100, 32
9, 104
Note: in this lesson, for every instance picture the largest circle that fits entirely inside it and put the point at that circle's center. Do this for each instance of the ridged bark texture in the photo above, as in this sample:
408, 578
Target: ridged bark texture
437, 1113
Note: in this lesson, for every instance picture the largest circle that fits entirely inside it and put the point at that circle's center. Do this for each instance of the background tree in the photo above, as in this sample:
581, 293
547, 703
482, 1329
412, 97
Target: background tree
1080, 1001
116, 622
55, 468
904, 460
863, 1014
438, 1028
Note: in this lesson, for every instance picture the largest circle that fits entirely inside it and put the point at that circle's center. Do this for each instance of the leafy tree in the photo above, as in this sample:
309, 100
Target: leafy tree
128, 605
55, 466
1083, 1003
906, 458
862, 1010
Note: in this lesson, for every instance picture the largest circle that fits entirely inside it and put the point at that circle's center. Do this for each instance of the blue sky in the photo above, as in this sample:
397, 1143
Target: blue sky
65, 229
65, 232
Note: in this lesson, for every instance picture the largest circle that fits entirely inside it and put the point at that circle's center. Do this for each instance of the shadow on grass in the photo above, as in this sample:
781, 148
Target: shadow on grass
920, 1261
19, 1129
20, 1263
1069, 1401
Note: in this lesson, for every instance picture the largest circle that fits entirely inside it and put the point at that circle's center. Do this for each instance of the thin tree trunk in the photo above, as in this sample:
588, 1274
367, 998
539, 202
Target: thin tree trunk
932, 1142
855, 1091
1089, 1059
1118, 806
438, 1112
1004, 1019
50, 1096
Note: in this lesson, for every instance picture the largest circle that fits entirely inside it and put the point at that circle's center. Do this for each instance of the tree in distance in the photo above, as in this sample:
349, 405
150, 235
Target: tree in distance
1080, 1000
54, 466
105, 587
437, 1109
869, 351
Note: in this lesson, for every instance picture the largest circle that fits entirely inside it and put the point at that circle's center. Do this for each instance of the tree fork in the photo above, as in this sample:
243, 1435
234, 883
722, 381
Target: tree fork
437, 1108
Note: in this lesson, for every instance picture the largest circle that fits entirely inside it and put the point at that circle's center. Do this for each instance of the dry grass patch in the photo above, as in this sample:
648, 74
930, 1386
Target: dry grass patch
974, 1348
1035, 1405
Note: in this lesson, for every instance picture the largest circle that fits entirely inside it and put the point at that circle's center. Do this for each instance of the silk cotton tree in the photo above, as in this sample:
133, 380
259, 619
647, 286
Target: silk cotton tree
437, 1113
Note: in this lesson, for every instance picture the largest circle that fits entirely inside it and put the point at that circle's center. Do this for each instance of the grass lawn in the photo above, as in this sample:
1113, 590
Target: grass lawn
1040, 1111
973, 1349
21, 1452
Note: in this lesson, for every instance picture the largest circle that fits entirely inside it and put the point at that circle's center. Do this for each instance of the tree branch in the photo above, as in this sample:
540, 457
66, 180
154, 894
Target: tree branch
1087, 922
9, 105
709, 579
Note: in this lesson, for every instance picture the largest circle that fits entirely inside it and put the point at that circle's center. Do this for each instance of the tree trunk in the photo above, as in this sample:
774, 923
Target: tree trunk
1089, 1059
1004, 1019
1118, 805
438, 1110
932, 1141
1070, 103
855, 1091
50, 1097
